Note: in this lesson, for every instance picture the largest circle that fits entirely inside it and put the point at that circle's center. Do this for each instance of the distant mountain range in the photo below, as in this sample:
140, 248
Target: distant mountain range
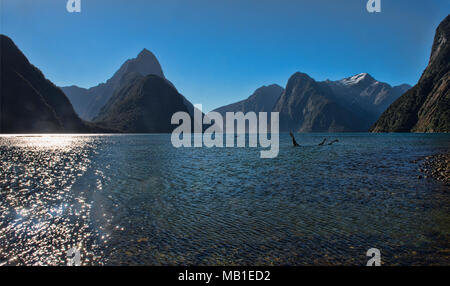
426, 106
350, 104
30, 103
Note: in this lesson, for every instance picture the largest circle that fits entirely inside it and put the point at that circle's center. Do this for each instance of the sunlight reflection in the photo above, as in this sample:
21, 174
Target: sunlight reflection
48, 141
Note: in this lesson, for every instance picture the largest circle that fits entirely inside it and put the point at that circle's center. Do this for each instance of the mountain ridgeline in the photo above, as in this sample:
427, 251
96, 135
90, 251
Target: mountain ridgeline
426, 106
305, 105
30, 103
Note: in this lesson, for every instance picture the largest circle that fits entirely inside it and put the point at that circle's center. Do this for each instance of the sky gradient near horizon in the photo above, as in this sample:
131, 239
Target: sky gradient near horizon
218, 52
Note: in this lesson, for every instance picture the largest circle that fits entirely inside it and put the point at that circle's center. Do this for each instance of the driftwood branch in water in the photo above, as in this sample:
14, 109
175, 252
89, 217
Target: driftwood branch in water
334, 141
293, 139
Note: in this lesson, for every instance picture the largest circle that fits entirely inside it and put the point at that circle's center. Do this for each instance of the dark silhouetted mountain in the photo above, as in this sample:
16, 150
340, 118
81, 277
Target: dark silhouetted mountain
426, 106
310, 106
29, 102
143, 104
88, 102
262, 100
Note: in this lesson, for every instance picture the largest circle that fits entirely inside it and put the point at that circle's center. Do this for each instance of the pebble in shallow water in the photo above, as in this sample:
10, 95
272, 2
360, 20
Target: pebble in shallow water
438, 167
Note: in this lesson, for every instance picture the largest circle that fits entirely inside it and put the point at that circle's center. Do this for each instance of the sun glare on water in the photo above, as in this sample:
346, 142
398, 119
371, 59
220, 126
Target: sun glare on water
47, 141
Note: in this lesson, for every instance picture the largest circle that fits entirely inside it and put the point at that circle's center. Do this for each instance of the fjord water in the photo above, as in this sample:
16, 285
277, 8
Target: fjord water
135, 199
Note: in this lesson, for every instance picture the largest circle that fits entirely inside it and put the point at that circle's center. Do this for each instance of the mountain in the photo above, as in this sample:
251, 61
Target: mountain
79, 98
365, 95
262, 100
426, 106
88, 102
29, 102
143, 104
310, 106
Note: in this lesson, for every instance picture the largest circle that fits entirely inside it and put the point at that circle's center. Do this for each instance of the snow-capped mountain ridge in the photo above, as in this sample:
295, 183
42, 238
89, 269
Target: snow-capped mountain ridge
353, 80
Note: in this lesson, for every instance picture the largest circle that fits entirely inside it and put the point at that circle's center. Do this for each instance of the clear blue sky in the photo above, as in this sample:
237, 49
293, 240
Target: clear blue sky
219, 51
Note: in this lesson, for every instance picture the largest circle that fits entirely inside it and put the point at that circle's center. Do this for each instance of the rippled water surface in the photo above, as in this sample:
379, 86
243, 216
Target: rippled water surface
135, 199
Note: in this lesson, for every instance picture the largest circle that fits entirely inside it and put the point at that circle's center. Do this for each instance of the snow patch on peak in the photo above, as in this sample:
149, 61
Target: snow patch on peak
354, 79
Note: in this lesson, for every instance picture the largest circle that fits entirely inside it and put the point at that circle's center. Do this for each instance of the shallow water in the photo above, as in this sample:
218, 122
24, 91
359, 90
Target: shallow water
135, 199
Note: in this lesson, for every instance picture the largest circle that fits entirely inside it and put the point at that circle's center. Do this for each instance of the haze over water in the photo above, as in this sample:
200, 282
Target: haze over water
135, 199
